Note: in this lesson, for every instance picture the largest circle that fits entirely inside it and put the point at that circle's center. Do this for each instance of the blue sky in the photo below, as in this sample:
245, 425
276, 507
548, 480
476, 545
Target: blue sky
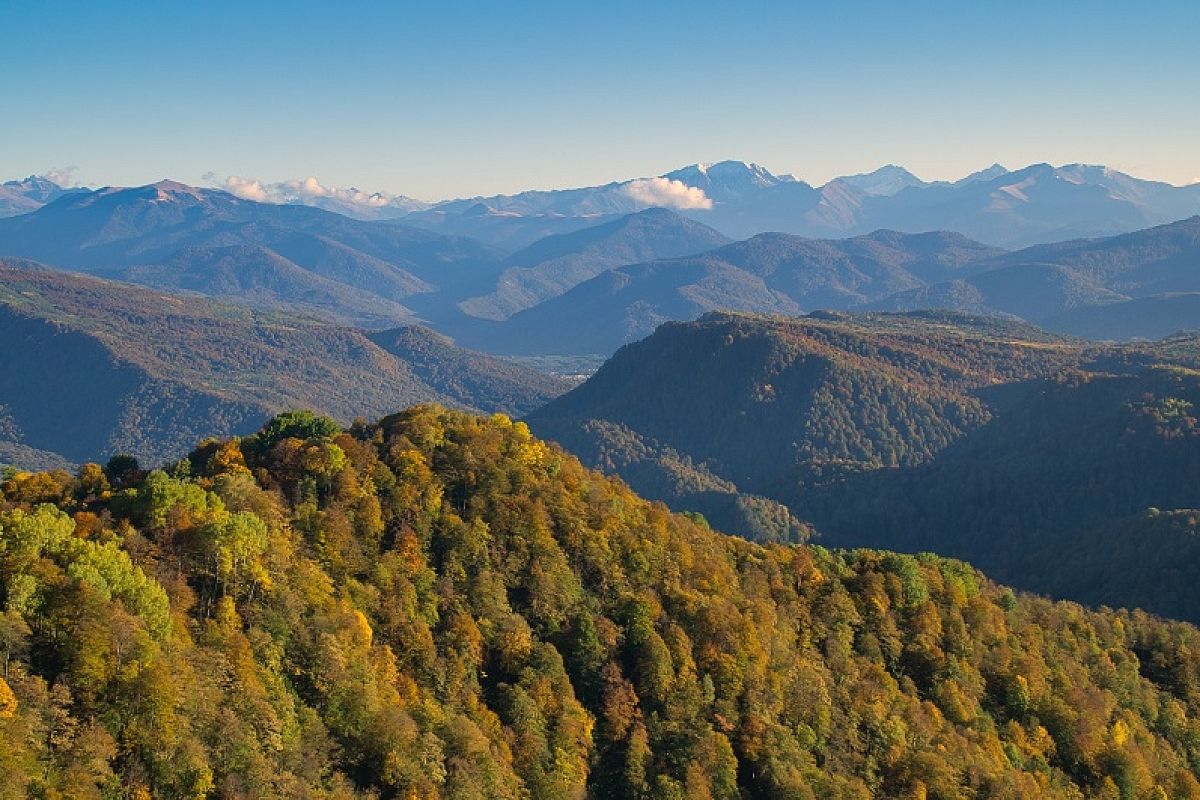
448, 99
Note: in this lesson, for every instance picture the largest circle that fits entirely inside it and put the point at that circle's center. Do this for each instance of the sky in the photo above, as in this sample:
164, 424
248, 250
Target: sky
446, 99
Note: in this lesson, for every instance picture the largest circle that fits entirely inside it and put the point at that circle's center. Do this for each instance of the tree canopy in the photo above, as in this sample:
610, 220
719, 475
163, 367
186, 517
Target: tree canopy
441, 605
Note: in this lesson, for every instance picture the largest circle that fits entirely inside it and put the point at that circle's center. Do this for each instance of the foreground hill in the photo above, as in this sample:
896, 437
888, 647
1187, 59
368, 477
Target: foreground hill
94, 367
439, 605
1027, 454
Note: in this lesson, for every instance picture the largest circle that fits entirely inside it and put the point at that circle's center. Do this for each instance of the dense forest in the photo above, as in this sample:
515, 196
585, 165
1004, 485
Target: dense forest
1055, 465
441, 605
774, 403
1083, 489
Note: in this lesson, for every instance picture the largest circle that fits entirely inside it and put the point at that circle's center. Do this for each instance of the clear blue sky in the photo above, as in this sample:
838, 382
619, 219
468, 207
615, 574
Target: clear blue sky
454, 99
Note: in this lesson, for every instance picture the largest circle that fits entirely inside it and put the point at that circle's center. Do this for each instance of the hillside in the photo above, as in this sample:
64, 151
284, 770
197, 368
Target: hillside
1035, 292
555, 264
1120, 287
262, 278
168, 235
94, 367
777, 401
1151, 317
771, 273
1083, 489
1150, 261
468, 378
976, 438
440, 605
625, 304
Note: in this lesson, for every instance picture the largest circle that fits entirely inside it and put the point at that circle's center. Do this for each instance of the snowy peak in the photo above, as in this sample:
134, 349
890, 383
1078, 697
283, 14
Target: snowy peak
23, 196
36, 187
986, 174
726, 180
886, 181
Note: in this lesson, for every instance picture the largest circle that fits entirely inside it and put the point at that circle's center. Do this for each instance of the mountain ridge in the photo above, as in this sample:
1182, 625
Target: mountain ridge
162, 370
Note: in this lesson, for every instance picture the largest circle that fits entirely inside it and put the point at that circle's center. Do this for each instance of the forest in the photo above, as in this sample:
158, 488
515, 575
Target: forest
1057, 466
441, 605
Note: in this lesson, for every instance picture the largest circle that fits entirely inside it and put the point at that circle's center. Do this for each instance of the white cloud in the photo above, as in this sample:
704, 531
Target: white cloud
305, 191
310, 188
245, 188
63, 176
667, 193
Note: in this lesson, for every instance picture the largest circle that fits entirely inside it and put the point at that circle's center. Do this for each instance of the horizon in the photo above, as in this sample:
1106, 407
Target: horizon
477, 100
238, 185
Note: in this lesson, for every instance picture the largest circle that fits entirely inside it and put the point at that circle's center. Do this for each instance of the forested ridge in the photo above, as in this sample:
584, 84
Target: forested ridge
441, 605
1055, 465
1084, 489
94, 367
772, 403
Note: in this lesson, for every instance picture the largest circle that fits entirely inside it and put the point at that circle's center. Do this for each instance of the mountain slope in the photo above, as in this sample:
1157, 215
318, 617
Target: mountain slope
95, 367
555, 264
440, 605
1140, 263
778, 401
771, 273
1055, 284
1035, 292
467, 378
205, 232
263, 278
30, 194
1152, 317
624, 304
978, 438
1060, 493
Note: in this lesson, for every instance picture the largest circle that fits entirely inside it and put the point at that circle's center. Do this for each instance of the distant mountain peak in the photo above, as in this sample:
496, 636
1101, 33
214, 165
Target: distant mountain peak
34, 183
986, 174
168, 185
29, 194
883, 182
727, 180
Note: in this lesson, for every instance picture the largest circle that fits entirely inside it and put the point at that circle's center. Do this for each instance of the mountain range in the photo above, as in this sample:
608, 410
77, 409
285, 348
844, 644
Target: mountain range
590, 289
1136, 285
1034, 205
769, 273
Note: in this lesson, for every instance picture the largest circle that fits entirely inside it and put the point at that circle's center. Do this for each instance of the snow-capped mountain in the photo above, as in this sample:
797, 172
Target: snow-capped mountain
30, 194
